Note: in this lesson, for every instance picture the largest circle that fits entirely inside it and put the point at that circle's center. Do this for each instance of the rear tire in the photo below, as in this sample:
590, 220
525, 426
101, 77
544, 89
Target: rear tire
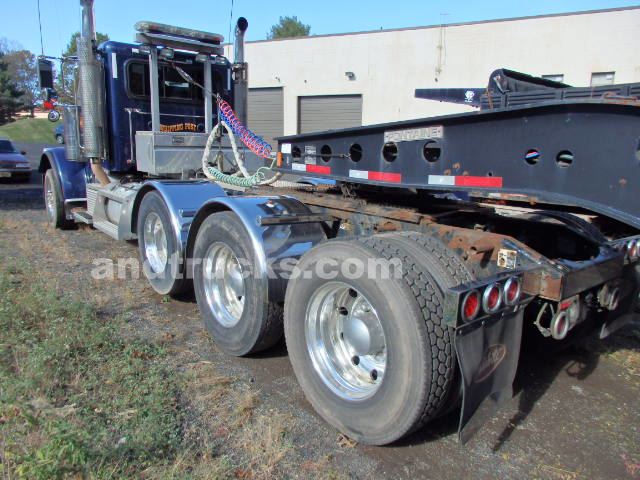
231, 297
160, 252
412, 386
54, 202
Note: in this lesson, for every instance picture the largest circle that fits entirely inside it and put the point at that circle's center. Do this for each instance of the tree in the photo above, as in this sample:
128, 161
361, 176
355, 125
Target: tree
67, 78
24, 72
288, 27
9, 94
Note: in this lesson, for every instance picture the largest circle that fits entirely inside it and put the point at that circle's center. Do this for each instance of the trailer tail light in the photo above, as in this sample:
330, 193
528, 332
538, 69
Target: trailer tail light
470, 305
492, 298
560, 325
512, 291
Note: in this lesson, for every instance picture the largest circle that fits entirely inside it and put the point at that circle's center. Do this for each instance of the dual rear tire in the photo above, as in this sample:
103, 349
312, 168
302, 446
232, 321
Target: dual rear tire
372, 354
369, 347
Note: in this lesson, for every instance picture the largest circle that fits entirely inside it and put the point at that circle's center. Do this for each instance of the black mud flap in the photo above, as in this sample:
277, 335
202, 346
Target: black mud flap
488, 351
616, 323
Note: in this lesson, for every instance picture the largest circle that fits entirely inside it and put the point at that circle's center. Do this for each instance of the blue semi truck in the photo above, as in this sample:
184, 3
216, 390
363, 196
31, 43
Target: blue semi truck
407, 265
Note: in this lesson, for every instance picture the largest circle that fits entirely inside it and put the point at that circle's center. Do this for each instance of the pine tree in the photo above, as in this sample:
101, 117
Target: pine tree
9, 94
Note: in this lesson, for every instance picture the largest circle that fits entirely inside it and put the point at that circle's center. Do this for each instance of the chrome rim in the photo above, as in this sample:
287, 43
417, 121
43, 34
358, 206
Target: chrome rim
346, 341
155, 242
224, 284
49, 198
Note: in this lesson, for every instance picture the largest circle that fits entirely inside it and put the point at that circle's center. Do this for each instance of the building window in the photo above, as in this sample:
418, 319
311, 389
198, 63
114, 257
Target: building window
556, 77
602, 78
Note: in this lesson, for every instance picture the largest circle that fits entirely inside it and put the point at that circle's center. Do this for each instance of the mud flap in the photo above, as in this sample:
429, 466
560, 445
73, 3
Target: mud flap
488, 351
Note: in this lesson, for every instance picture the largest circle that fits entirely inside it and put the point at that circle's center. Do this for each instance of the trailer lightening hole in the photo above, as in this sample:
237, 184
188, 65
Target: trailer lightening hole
355, 152
564, 159
390, 151
489, 174
532, 156
431, 152
325, 152
296, 152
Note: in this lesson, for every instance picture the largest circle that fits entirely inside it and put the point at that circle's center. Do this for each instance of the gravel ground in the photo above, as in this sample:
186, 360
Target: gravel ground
575, 414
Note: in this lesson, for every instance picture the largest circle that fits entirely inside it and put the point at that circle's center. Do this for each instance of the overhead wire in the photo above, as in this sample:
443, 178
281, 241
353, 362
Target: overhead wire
40, 27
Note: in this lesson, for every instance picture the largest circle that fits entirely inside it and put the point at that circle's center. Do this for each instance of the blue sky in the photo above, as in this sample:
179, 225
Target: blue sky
60, 18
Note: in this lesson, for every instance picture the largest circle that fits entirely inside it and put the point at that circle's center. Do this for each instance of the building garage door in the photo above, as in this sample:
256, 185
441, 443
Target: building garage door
265, 113
329, 112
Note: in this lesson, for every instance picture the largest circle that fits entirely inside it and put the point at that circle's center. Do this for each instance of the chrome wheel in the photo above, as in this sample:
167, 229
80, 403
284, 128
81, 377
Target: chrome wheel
155, 243
346, 341
50, 198
223, 284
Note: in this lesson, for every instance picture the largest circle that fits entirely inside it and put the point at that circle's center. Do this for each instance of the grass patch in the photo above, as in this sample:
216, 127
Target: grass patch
29, 130
76, 401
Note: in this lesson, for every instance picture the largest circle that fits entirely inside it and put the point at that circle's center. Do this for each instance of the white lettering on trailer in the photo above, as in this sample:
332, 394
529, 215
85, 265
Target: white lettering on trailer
442, 180
285, 148
114, 63
359, 174
410, 134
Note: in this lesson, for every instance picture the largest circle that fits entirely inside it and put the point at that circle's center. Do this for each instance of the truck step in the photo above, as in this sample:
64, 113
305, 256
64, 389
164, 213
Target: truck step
107, 227
83, 217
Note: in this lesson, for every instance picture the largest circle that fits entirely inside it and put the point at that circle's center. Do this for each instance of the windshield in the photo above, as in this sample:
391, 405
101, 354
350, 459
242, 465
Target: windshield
6, 147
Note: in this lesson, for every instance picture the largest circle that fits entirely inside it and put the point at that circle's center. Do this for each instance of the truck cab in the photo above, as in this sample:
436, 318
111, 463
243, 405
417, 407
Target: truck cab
127, 96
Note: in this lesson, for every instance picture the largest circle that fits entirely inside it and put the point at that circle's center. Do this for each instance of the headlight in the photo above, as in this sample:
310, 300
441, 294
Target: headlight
23, 165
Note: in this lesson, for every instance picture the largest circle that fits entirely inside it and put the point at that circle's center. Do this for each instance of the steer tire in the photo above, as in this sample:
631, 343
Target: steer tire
54, 202
259, 325
168, 279
419, 361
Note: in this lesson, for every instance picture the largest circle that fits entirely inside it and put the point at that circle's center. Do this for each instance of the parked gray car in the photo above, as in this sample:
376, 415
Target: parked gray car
13, 164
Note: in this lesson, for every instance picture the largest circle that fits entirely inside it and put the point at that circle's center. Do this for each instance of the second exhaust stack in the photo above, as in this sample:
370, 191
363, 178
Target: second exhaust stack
240, 72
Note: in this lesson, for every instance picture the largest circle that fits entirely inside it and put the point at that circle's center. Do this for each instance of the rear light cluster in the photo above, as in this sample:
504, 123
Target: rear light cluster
630, 248
491, 298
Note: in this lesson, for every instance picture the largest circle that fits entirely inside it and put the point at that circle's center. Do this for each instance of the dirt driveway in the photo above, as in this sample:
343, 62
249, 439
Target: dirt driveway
576, 414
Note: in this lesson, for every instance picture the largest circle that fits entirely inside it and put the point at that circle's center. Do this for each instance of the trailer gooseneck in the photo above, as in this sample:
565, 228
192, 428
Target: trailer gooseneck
405, 267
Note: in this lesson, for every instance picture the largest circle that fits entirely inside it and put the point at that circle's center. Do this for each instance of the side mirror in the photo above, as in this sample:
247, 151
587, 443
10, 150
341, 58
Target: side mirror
45, 73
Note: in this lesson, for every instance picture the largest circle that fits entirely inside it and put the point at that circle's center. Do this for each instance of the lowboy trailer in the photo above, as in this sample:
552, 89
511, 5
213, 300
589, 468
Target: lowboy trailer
405, 266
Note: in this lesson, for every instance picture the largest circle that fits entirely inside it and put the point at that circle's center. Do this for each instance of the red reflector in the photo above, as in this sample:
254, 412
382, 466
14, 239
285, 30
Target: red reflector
565, 305
495, 182
494, 296
319, 169
512, 291
470, 305
385, 177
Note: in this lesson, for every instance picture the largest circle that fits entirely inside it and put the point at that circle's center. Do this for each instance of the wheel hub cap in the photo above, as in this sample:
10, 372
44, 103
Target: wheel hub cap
224, 284
345, 341
155, 243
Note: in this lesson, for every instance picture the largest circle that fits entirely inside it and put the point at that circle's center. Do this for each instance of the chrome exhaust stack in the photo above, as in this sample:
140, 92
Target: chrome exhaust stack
91, 80
240, 72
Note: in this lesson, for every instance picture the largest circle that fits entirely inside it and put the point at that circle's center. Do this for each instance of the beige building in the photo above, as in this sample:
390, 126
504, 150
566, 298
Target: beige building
335, 81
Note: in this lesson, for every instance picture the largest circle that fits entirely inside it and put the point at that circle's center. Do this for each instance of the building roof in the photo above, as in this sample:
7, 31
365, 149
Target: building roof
512, 19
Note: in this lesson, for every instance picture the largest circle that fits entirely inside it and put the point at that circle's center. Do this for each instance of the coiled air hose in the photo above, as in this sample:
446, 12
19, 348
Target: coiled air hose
232, 125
